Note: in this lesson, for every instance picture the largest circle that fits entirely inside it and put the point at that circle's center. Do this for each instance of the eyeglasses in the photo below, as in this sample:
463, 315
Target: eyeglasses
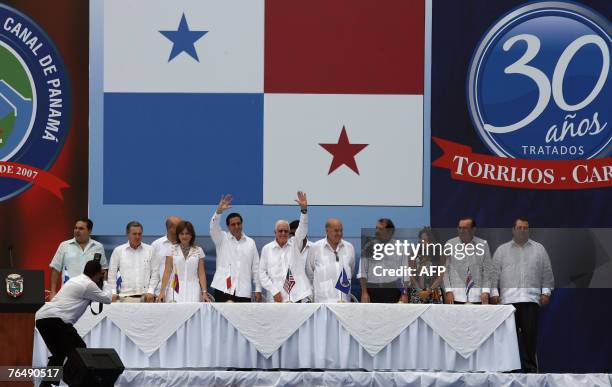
336, 254
282, 231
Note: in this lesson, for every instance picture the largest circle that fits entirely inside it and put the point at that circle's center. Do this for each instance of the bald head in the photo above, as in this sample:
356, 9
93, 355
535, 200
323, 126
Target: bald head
333, 230
171, 223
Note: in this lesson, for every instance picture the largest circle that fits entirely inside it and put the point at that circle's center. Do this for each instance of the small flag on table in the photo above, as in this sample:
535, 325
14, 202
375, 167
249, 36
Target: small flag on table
119, 282
228, 281
400, 286
343, 284
174, 284
289, 281
469, 282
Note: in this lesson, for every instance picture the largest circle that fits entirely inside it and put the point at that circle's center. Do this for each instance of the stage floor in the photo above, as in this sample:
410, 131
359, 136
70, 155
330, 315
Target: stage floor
199, 377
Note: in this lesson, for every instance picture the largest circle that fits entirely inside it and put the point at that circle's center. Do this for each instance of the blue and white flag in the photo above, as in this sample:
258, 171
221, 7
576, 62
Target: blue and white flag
344, 283
119, 282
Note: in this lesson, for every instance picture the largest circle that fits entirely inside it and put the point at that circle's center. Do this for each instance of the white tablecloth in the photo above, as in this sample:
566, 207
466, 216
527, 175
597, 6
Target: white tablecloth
312, 336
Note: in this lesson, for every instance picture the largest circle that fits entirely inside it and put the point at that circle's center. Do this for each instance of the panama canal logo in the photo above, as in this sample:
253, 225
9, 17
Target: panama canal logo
34, 106
539, 97
538, 87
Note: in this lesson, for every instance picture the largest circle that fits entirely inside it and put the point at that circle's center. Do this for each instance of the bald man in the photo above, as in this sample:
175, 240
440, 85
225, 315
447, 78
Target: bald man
163, 246
326, 259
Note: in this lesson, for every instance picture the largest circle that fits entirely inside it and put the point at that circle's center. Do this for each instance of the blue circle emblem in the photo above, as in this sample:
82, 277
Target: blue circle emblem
35, 98
539, 83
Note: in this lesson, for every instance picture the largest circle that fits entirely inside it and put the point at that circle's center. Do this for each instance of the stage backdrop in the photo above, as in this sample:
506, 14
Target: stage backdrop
43, 126
520, 122
194, 99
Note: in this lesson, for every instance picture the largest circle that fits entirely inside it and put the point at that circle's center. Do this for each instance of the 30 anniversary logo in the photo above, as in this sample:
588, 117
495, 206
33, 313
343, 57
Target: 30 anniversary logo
539, 98
34, 106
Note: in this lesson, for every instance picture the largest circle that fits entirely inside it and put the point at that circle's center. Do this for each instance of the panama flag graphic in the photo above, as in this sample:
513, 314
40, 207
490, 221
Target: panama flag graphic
262, 98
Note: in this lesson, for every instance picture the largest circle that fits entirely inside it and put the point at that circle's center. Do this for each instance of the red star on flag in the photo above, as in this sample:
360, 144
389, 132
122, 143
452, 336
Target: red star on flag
344, 153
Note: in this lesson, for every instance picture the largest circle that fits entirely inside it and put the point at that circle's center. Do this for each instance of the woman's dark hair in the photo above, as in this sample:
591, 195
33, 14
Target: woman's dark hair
432, 238
185, 224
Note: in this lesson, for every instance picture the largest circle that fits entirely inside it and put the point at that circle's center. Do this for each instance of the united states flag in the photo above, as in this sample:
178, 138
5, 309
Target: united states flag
289, 281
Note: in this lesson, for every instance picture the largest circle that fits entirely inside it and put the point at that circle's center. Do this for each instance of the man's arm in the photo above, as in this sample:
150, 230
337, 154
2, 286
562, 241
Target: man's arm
216, 234
56, 265
488, 269
165, 278
548, 278
362, 274
449, 296
310, 265
154, 267
94, 293
55, 276
447, 274
352, 259
264, 278
302, 230
487, 275
112, 270
255, 270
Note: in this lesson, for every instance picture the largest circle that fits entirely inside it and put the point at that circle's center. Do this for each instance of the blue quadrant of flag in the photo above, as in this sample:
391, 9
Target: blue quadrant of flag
186, 152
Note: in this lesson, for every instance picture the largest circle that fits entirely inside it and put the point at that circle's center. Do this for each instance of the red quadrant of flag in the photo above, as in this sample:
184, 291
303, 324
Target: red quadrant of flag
344, 46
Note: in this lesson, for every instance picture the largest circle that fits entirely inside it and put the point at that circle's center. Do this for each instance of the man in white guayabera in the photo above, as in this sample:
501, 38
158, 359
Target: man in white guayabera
469, 268
525, 278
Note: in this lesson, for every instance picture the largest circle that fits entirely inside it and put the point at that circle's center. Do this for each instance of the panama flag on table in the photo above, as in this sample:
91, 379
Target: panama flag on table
261, 98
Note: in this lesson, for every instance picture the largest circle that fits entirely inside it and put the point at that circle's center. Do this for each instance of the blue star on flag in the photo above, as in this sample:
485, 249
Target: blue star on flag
183, 40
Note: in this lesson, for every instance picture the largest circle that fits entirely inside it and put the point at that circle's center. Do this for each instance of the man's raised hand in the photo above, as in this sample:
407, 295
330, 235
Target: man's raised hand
301, 200
224, 203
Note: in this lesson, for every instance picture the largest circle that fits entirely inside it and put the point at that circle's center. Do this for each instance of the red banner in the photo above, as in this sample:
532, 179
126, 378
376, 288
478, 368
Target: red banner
521, 173
33, 175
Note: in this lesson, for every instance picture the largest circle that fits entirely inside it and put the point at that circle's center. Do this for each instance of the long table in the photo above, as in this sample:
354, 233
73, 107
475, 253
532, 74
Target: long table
303, 336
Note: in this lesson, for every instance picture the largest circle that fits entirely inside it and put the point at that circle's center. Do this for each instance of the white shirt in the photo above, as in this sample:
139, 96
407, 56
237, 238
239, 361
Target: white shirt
72, 300
276, 261
479, 263
326, 271
71, 257
523, 272
139, 271
162, 248
238, 258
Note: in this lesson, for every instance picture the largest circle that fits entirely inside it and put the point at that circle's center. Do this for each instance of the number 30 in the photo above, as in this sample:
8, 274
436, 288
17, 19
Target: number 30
544, 86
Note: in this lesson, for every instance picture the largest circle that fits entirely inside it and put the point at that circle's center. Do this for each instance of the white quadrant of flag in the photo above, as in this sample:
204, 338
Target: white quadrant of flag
230, 54
390, 167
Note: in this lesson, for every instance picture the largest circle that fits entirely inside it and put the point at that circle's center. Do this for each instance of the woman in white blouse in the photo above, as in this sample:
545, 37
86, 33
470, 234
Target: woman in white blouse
184, 269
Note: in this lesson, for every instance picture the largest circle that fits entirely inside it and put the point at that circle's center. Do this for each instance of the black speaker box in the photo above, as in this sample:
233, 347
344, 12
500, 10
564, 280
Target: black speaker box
93, 367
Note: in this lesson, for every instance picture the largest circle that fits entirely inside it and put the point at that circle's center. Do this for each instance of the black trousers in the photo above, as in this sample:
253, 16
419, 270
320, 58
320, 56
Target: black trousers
224, 297
385, 295
61, 339
526, 317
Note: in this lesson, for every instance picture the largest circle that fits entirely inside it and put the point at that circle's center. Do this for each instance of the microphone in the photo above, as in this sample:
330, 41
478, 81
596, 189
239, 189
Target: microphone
97, 257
